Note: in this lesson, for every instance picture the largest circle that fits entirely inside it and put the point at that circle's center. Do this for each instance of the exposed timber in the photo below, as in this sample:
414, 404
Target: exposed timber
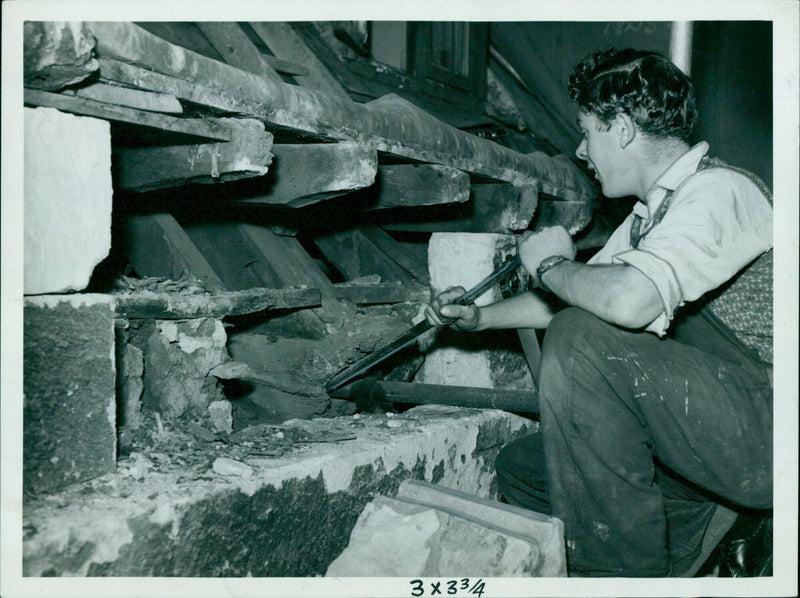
390, 124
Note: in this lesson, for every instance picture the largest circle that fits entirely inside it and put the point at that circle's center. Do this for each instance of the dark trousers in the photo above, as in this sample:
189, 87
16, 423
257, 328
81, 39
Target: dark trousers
639, 437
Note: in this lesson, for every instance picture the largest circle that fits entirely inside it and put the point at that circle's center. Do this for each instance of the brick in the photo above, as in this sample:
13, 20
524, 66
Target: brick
69, 390
67, 205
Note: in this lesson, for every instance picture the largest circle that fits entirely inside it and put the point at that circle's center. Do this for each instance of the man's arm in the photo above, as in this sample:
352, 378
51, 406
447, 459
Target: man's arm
618, 294
526, 310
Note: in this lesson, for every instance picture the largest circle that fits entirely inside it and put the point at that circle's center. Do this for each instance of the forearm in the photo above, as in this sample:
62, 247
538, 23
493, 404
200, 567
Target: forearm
618, 294
526, 310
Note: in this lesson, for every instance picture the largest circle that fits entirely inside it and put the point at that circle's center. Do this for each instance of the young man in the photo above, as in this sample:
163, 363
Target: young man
655, 385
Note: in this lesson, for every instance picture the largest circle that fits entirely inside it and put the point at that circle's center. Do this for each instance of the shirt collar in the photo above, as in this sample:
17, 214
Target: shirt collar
670, 179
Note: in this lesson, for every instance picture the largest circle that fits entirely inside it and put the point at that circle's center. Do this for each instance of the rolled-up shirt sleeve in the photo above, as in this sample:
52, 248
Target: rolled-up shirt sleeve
717, 224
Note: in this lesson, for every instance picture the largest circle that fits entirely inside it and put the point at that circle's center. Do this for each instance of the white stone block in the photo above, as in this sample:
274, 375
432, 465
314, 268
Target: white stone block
67, 207
465, 259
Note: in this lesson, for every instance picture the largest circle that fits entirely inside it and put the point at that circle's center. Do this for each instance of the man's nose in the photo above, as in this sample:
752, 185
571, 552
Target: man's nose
581, 151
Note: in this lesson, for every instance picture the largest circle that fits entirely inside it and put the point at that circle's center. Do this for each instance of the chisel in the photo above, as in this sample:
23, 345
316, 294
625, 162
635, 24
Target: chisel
408, 337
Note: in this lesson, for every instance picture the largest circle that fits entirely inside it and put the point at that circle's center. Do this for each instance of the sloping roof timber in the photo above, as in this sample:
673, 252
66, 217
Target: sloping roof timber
390, 124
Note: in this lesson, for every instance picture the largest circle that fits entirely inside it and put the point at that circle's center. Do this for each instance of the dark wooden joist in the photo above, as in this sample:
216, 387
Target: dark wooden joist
390, 124
496, 208
307, 173
356, 256
572, 215
236, 49
384, 391
201, 127
156, 245
282, 41
380, 293
246, 155
130, 98
415, 266
231, 254
410, 185
218, 304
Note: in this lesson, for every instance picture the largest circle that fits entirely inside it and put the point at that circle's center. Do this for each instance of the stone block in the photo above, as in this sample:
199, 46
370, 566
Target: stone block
130, 369
67, 205
69, 409
435, 531
288, 515
490, 359
178, 356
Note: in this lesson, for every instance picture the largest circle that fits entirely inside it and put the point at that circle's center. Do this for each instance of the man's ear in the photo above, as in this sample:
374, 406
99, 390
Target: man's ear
626, 129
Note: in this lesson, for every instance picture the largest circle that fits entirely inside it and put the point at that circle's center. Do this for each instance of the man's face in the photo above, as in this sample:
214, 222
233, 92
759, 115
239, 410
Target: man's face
603, 153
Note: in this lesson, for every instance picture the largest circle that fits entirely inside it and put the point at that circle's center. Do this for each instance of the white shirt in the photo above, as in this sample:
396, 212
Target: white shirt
717, 223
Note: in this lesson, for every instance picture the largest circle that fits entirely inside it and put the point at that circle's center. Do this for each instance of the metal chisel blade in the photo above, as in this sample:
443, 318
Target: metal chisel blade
408, 337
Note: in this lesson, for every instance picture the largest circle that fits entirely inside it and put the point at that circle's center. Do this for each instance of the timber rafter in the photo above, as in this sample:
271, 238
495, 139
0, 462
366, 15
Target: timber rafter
389, 124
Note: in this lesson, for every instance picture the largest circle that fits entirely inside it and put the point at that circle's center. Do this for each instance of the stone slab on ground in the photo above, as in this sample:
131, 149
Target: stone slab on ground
67, 228
69, 407
292, 516
396, 538
546, 531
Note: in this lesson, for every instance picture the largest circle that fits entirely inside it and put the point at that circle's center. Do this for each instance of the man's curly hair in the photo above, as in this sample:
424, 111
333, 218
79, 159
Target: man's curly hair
645, 85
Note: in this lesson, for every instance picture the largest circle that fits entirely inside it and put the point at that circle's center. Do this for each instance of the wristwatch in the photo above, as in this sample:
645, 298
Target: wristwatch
545, 265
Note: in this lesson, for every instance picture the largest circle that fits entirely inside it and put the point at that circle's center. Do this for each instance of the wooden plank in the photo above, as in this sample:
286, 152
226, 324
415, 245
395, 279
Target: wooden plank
236, 49
411, 263
572, 215
210, 128
390, 124
171, 306
246, 155
289, 263
380, 293
156, 245
356, 256
130, 98
57, 54
308, 173
284, 43
235, 259
410, 185
496, 208
416, 393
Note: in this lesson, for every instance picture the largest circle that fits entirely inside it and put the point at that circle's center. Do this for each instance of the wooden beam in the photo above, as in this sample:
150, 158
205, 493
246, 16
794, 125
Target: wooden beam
247, 155
355, 255
415, 393
572, 215
411, 263
289, 263
410, 185
57, 54
308, 173
233, 256
380, 293
236, 49
389, 124
130, 98
156, 245
171, 306
201, 127
496, 208
282, 41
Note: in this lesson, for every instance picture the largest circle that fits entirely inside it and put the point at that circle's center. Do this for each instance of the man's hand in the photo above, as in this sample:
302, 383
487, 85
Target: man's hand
442, 312
533, 247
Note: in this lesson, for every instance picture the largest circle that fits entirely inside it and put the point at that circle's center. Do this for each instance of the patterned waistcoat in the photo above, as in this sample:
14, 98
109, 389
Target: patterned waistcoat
741, 308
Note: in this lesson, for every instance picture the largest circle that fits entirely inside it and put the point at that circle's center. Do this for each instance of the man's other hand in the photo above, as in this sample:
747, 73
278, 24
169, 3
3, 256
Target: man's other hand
442, 312
533, 247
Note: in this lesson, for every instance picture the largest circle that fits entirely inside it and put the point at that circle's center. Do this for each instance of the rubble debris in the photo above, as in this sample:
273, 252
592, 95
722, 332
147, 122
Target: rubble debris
179, 356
